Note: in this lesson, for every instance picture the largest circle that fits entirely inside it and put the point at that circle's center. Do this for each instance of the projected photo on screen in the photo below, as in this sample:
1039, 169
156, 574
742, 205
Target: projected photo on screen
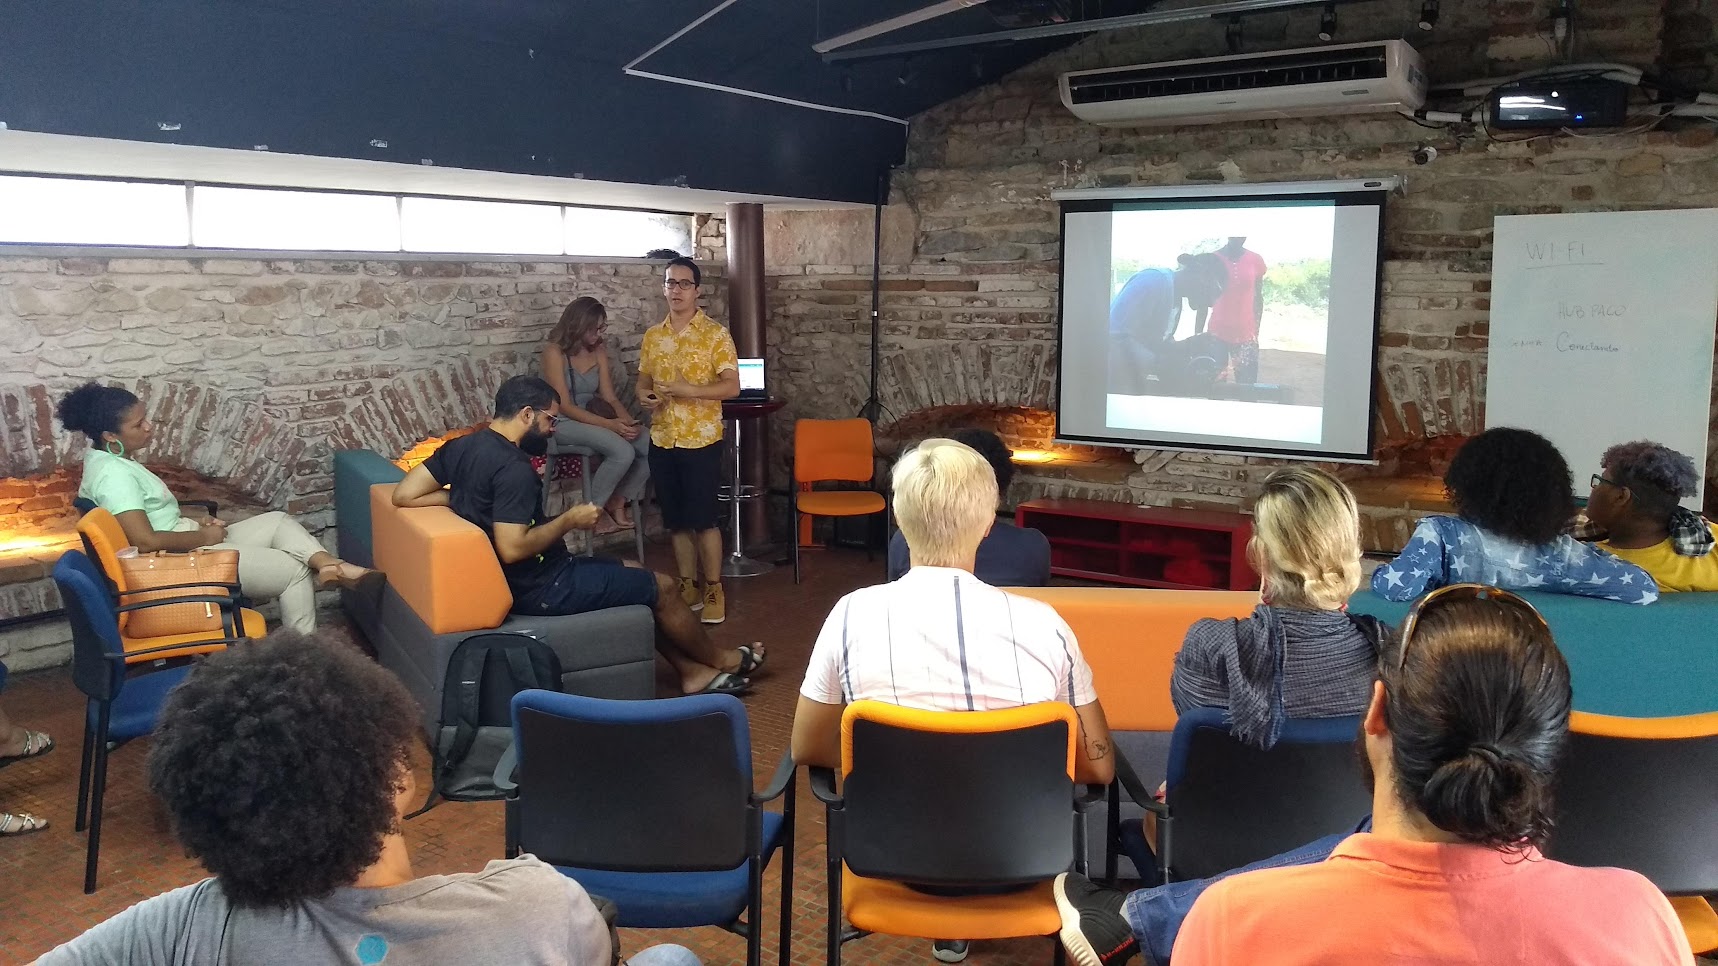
1243, 323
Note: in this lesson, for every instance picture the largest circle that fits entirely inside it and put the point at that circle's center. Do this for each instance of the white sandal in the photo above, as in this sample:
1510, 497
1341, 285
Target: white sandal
20, 823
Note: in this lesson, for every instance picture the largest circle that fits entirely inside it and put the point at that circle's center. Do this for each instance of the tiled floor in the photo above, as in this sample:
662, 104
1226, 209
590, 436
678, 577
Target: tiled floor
41, 897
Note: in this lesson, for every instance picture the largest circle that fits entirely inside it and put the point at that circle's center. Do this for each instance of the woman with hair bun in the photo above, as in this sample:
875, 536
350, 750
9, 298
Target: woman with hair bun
1459, 747
1461, 743
1514, 498
278, 558
1299, 655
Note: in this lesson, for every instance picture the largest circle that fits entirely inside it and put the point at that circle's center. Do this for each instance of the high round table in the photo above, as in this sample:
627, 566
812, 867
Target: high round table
737, 411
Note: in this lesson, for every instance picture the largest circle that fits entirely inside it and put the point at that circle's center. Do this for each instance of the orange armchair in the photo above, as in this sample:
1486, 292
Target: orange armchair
1636, 793
103, 538
951, 802
832, 450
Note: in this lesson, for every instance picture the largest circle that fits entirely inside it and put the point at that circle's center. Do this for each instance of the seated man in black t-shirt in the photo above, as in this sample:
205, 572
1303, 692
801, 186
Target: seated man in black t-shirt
490, 482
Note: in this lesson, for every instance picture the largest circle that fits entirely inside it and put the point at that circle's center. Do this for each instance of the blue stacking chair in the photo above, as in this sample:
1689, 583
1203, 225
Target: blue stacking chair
123, 699
1227, 803
650, 804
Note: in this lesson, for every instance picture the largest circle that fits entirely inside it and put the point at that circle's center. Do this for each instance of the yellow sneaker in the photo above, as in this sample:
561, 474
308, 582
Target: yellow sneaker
715, 605
689, 594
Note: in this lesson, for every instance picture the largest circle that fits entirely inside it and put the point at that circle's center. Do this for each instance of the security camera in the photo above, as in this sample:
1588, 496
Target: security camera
1425, 154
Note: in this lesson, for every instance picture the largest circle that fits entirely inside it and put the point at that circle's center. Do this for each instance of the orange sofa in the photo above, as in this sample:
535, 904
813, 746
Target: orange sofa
445, 585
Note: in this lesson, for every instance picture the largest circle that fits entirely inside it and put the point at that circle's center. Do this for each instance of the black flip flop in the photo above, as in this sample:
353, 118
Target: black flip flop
750, 660
725, 683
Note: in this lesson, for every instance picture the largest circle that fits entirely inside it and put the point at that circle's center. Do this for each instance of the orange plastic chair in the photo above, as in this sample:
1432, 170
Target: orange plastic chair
827, 451
1636, 793
951, 801
103, 538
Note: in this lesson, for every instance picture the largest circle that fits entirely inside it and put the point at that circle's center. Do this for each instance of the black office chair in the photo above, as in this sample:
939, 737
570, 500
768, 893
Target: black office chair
650, 805
1637, 793
951, 824
1228, 803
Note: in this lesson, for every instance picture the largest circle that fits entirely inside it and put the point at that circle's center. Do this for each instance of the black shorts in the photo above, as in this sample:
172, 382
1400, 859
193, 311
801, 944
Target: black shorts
583, 584
686, 483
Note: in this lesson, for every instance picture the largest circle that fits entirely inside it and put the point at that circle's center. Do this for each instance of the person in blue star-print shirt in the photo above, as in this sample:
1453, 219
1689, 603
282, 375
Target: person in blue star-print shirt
1513, 497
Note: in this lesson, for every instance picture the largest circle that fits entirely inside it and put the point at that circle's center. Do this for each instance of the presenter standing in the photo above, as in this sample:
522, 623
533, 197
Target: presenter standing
686, 367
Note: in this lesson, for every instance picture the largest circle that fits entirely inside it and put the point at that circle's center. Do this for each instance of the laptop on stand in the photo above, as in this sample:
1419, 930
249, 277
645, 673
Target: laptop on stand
752, 381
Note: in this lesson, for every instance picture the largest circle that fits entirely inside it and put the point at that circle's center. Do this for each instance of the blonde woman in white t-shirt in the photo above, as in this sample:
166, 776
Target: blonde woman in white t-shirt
278, 558
1008, 651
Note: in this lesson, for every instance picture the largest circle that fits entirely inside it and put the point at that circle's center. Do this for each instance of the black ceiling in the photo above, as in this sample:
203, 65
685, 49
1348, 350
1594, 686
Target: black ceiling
528, 86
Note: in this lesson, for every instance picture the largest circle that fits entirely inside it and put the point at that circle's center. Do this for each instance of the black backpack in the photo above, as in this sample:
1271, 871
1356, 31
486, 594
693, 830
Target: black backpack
476, 727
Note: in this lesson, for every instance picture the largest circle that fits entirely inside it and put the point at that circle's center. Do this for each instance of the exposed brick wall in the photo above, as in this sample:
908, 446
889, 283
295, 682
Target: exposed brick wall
256, 371
968, 307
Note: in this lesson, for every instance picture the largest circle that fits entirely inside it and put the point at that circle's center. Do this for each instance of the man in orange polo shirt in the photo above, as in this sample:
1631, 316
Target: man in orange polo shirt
1461, 741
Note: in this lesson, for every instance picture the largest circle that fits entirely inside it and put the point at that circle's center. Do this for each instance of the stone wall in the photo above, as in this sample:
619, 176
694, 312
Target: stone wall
969, 270
256, 370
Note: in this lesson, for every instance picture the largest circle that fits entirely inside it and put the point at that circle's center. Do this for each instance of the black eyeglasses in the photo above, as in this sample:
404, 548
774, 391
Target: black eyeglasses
679, 283
1460, 592
1599, 478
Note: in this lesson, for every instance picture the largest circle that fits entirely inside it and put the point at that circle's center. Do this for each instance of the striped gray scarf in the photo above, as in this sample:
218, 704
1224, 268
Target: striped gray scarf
1255, 664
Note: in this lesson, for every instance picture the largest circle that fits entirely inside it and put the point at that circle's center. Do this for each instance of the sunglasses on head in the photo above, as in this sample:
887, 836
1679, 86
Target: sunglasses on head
1460, 592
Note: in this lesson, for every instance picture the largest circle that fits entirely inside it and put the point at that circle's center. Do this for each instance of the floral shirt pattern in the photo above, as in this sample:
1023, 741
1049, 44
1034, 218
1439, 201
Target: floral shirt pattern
698, 355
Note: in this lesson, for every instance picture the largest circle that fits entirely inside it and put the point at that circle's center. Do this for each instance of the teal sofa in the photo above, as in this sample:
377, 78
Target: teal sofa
1647, 661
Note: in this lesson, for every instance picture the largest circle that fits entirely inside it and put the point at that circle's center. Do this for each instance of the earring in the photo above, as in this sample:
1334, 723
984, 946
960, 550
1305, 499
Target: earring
110, 447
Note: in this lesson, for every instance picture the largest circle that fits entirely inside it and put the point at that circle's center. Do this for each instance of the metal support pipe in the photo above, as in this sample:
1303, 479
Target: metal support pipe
746, 322
873, 407
1073, 27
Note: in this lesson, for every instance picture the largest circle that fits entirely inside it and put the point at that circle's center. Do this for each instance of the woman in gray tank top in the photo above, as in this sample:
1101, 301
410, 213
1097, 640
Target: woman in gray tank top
576, 362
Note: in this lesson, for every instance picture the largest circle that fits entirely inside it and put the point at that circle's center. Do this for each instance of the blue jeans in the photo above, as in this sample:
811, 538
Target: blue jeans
1155, 915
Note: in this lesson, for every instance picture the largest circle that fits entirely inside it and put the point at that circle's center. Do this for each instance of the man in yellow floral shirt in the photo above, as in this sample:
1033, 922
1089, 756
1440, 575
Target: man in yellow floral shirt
686, 367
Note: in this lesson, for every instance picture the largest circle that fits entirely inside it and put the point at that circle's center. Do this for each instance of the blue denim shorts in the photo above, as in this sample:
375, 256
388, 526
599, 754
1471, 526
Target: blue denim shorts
583, 584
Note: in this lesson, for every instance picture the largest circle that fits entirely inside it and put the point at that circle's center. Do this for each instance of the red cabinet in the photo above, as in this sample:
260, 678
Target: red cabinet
1144, 546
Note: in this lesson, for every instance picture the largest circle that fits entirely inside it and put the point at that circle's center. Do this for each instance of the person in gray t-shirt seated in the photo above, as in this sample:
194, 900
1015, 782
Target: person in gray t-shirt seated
1010, 556
286, 767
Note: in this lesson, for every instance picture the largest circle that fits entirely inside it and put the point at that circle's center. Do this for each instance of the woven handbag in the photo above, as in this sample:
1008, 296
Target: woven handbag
165, 569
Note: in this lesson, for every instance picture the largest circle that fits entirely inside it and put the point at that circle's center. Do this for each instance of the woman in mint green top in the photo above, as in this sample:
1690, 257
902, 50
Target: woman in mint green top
278, 558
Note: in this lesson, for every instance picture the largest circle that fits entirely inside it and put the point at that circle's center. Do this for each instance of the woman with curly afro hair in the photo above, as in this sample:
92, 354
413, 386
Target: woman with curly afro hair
286, 768
1514, 499
1635, 499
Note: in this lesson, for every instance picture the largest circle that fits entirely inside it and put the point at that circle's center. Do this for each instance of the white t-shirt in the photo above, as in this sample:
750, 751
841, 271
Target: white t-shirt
940, 639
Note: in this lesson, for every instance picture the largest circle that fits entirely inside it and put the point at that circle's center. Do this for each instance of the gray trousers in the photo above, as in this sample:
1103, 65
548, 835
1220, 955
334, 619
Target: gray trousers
274, 564
621, 464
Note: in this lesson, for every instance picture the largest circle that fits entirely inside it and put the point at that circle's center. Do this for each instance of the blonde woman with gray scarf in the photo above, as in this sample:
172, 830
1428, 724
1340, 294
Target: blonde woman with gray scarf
1299, 655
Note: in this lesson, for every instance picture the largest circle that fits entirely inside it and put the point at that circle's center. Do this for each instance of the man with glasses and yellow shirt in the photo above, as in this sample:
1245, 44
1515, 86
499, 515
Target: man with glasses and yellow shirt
686, 367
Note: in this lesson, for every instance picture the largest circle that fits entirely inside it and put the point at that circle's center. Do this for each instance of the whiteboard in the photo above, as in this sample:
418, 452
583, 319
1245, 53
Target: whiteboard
1602, 328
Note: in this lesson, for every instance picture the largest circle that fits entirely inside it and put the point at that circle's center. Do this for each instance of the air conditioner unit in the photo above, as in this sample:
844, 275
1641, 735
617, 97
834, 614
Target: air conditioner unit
1364, 78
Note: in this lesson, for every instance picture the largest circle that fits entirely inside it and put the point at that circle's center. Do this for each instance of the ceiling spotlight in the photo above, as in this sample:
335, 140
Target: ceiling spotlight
846, 79
1232, 35
978, 66
905, 77
1428, 14
1327, 23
